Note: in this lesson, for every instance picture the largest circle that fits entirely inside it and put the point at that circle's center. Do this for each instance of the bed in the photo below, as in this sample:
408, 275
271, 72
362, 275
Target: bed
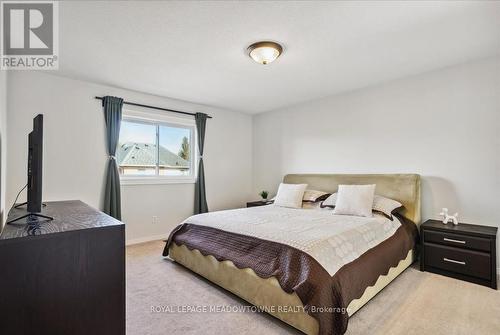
275, 266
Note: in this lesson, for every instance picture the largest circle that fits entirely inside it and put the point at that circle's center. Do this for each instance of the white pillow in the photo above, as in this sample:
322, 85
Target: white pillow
290, 195
355, 200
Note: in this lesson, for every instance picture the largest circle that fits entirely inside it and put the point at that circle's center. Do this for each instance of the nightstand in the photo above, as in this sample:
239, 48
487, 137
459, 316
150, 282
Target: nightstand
465, 251
258, 203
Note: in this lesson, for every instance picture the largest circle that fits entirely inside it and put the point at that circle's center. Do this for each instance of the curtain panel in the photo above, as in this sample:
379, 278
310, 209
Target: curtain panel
200, 198
113, 116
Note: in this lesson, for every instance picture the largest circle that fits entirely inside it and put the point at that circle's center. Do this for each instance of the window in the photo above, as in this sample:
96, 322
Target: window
156, 149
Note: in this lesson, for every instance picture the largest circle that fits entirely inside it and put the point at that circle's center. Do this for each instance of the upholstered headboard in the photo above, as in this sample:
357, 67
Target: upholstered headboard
404, 188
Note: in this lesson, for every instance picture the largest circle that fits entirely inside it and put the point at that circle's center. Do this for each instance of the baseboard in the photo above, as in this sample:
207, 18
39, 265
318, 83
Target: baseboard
146, 239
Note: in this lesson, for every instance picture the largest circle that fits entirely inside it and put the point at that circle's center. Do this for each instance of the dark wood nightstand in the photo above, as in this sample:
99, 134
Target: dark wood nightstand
258, 203
465, 251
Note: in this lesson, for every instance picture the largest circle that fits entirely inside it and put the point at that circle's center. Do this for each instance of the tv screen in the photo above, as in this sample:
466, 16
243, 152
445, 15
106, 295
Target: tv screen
35, 164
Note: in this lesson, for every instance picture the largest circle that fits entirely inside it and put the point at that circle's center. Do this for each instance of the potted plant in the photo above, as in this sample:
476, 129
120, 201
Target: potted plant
264, 195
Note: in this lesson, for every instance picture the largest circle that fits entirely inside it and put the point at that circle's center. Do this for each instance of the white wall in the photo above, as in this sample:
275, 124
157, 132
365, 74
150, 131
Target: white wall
444, 125
3, 144
75, 156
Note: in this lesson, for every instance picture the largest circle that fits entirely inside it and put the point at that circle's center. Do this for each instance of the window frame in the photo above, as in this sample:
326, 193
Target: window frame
158, 120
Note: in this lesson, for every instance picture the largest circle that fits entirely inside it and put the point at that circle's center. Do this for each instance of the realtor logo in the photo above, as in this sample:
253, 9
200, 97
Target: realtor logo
29, 35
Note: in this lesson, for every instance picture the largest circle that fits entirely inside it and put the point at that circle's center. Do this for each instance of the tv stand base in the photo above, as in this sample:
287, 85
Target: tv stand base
30, 215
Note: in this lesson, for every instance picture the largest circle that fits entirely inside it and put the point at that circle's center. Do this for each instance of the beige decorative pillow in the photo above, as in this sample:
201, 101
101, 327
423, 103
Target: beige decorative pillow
311, 205
330, 201
385, 205
355, 200
290, 195
314, 196
311, 197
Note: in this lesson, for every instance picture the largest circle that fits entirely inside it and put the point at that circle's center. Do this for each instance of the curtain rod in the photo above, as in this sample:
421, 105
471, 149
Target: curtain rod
153, 107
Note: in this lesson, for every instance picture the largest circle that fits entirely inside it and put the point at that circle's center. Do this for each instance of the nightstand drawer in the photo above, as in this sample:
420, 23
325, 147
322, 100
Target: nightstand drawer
457, 240
467, 262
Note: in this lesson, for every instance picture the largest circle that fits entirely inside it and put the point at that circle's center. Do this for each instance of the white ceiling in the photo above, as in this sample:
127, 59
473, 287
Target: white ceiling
195, 51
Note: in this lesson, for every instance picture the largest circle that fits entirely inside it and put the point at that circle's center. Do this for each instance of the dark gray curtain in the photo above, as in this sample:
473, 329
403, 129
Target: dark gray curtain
200, 198
113, 116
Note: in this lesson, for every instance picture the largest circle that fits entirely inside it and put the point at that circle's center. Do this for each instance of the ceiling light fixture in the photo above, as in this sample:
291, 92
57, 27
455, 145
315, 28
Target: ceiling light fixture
265, 52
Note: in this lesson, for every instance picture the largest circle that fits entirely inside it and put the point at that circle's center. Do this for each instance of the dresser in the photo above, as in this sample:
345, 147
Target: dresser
65, 276
465, 251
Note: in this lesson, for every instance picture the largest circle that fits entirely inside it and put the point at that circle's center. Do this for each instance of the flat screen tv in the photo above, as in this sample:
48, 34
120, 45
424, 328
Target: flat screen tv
35, 165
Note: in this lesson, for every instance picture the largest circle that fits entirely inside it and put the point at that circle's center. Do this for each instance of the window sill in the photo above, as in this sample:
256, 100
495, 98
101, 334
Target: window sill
154, 181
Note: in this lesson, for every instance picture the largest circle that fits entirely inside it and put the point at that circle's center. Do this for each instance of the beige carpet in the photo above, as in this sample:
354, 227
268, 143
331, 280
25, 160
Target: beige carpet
415, 303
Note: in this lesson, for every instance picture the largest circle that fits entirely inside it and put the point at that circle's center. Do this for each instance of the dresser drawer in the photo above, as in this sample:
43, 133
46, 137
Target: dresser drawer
467, 262
457, 240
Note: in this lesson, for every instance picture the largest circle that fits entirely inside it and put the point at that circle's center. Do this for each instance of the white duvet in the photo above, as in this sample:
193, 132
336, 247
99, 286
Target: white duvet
333, 240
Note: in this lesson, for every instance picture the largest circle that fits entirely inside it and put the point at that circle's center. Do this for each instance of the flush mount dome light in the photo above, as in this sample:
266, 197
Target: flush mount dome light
265, 52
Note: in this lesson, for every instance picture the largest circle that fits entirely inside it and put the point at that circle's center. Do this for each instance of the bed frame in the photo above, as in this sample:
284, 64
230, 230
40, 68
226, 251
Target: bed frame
267, 293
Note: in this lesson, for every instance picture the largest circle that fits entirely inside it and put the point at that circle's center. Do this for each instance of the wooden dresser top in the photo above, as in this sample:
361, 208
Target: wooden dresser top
68, 216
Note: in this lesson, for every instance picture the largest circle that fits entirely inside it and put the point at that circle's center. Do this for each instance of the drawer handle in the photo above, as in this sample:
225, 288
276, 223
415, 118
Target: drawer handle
453, 261
452, 240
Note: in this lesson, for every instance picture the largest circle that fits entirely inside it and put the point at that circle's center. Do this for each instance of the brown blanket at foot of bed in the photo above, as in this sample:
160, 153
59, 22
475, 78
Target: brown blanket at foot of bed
324, 297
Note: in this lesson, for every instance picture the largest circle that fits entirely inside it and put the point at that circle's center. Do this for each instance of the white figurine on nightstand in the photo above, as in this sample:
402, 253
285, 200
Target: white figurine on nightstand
447, 218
